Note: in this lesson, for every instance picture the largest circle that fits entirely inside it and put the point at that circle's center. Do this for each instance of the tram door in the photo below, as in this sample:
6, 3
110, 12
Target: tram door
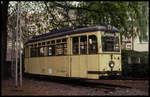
78, 60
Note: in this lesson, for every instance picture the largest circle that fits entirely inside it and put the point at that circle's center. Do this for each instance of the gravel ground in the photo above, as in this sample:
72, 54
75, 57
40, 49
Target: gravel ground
36, 87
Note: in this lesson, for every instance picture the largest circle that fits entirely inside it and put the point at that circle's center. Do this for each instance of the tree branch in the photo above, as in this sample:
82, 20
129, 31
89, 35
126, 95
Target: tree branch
53, 16
77, 8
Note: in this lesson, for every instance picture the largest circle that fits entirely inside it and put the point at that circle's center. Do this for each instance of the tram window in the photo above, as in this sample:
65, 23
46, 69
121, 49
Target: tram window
53, 42
36, 52
39, 44
110, 44
92, 44
43, 43
35, 45
32, 45
64, 40
60, 49
45, 51
58, 41
26, 51
83, 45
41, 51
65, 48
51, 50
48, 42
75, 45
33, 52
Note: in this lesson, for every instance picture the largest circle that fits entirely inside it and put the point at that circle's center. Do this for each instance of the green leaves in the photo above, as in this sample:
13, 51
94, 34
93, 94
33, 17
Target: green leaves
103, 13
139, 19
56, 14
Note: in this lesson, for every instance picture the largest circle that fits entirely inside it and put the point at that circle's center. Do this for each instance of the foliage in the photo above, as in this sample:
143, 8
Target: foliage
56, 14
138, 20
134, 69
142, 21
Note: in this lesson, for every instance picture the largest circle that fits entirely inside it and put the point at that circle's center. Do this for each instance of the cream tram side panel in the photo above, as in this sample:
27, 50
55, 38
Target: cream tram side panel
83, 66
93, 66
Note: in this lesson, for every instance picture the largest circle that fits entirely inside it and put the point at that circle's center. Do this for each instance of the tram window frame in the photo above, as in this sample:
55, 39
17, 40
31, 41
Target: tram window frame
45, 51
35, 45
33, 52
53, 42
37, 50
58, 41
49, 51
43, 43
31, 45
64, 40
61, 48
48, 42
26, 51
40, 52
52, 50
83, 46
39, 44
109, 44
65, 48
75, 45
92, 47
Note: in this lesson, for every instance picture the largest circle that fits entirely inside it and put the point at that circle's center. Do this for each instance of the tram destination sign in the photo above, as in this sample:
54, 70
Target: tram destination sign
109, 30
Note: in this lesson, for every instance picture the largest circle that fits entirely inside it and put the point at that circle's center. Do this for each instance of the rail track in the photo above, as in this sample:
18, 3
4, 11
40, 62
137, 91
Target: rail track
97, 84
48, 85
100, 84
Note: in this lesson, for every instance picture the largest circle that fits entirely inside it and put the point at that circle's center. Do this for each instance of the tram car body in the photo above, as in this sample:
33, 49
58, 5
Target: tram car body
89, 52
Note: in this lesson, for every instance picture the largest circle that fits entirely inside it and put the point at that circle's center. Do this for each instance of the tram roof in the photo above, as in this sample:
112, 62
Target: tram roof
62, 32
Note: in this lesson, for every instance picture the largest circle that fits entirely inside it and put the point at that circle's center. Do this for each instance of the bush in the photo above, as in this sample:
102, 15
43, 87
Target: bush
135, 69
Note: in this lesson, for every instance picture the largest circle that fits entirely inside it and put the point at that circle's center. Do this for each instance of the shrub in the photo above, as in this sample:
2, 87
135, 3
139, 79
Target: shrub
135, 69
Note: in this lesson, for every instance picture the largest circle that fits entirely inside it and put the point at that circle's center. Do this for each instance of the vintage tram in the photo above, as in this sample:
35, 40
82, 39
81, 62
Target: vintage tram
88, 52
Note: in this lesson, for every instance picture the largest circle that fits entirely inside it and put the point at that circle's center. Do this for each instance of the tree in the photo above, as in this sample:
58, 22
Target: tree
133, 13
142, 21
138, 20
98, 13
56, 14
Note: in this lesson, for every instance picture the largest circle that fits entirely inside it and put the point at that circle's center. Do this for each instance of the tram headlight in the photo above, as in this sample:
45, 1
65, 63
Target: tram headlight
111, 64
